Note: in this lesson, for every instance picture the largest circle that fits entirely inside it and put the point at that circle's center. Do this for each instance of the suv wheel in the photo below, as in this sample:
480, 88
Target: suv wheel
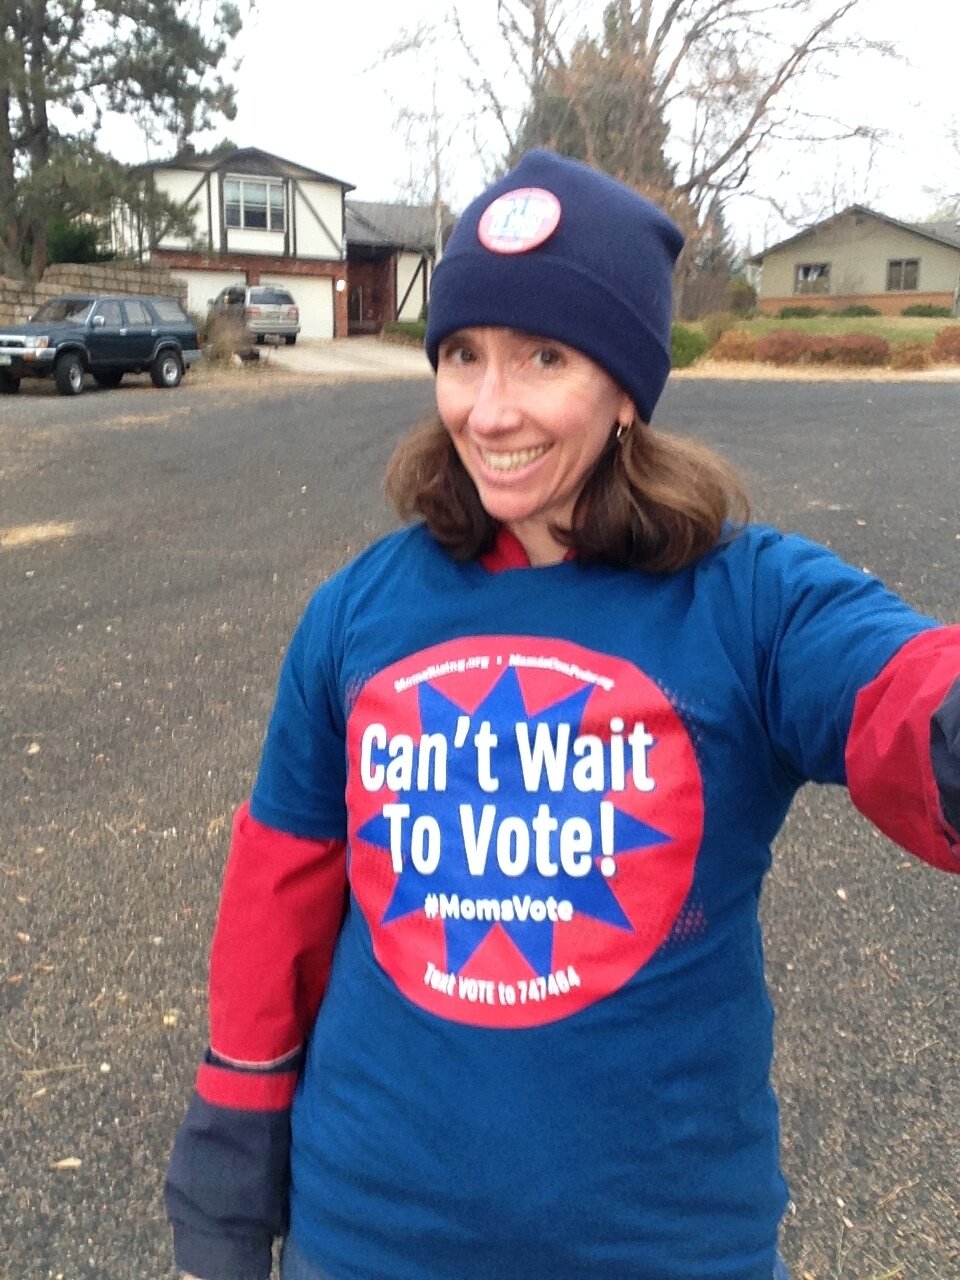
9, 385
68, 374
290, 339
108, 377
166, 370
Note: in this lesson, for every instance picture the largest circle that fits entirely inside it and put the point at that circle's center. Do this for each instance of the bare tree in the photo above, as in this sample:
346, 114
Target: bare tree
429, 136
675, 97
946, 194
429, 142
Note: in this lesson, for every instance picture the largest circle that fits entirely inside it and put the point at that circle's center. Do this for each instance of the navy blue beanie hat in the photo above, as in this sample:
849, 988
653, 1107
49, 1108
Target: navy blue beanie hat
561, 250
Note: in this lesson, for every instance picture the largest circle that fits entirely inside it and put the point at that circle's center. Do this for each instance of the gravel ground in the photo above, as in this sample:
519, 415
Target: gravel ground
155, 551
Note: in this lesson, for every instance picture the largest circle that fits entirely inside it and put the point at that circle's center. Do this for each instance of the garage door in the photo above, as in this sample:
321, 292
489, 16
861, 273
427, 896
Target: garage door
314, 296
204, 285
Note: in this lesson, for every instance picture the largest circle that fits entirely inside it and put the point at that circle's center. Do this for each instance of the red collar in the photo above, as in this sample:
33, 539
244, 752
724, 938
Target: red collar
508, 553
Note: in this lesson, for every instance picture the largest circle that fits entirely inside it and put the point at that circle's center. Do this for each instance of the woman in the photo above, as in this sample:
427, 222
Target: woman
515, 807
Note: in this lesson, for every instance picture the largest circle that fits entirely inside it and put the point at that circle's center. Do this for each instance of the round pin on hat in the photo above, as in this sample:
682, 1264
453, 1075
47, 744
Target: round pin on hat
519, 221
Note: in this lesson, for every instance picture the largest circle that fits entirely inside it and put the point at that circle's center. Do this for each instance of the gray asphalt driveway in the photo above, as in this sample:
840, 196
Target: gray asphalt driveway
155, 551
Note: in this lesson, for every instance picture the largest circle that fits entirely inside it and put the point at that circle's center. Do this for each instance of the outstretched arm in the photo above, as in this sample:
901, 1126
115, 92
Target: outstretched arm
903, 750
860, 689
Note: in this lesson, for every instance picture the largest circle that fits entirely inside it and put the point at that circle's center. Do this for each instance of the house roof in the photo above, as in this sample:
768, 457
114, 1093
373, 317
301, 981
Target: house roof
244, 160
396, 226
947, 233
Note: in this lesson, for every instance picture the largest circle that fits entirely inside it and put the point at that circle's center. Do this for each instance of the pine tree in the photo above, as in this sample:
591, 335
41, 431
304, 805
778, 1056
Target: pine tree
63, 65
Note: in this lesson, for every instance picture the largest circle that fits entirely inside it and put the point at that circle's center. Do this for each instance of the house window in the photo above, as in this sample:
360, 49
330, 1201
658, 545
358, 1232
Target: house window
902, 274
811, 277
253, 204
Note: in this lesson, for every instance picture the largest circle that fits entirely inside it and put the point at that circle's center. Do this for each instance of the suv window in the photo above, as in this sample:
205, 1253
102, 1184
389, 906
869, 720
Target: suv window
137, 313
64, 309
272, 297
110, 312
169, 309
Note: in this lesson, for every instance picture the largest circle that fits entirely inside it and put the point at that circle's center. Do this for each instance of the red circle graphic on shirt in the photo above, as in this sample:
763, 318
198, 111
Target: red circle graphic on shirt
525, 819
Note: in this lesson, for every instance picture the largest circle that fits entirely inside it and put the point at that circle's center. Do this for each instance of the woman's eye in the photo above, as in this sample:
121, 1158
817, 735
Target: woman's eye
456, 354
547, 357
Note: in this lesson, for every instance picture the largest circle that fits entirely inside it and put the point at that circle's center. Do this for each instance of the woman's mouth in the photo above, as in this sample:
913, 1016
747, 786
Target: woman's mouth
513, 460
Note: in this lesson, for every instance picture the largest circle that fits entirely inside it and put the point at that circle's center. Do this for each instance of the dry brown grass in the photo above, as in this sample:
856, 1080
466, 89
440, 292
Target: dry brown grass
226, 337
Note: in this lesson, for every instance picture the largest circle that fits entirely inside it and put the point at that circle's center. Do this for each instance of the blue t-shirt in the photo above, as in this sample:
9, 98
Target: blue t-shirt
545, 1047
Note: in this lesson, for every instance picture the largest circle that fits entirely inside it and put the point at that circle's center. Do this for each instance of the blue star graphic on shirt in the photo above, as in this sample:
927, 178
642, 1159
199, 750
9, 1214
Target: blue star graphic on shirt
590, 894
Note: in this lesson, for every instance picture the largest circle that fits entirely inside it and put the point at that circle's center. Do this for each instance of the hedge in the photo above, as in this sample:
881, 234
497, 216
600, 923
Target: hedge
687, 345
946, 345
927, 309
405, 331
911, 355
789, 346
735, 344
784, 346
800, 313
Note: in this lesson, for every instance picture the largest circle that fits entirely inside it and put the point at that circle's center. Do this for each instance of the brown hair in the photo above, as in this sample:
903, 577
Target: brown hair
653, 501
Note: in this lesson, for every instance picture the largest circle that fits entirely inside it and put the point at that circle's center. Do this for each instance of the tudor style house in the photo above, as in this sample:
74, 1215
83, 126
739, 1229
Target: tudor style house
861, 256
260, 219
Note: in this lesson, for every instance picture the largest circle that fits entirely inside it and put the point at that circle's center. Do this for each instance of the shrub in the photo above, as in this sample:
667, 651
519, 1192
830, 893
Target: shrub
716, 324
945, 348
821, 349
788, 346
783, 346
409, 331
201, 320
800, 313
740, 297
911, 355
74, 242
226, 337
858, 309
735, 344
861, 349
687, 345
927, 309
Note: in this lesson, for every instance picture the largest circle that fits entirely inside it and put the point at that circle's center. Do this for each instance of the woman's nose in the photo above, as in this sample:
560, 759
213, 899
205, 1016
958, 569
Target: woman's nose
495, 407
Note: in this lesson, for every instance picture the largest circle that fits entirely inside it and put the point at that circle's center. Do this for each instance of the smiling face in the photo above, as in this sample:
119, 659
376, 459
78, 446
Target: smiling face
529, 418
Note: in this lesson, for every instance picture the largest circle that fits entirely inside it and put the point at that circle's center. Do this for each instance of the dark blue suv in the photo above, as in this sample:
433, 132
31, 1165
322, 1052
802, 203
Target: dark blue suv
104, 336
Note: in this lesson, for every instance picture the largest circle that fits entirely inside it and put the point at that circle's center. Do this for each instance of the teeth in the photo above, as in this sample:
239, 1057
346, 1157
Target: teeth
512, 461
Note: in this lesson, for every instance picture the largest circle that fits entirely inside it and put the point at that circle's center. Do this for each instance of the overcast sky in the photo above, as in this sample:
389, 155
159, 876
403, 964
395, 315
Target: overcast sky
309, 89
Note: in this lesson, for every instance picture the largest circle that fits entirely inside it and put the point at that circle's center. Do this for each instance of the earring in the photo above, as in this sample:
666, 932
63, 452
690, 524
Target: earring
622, 429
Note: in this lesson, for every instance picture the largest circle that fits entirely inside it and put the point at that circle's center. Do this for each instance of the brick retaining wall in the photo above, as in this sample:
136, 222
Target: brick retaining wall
18, 299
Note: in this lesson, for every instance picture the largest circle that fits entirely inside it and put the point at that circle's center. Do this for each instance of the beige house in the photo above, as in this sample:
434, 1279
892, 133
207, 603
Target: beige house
860, 256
